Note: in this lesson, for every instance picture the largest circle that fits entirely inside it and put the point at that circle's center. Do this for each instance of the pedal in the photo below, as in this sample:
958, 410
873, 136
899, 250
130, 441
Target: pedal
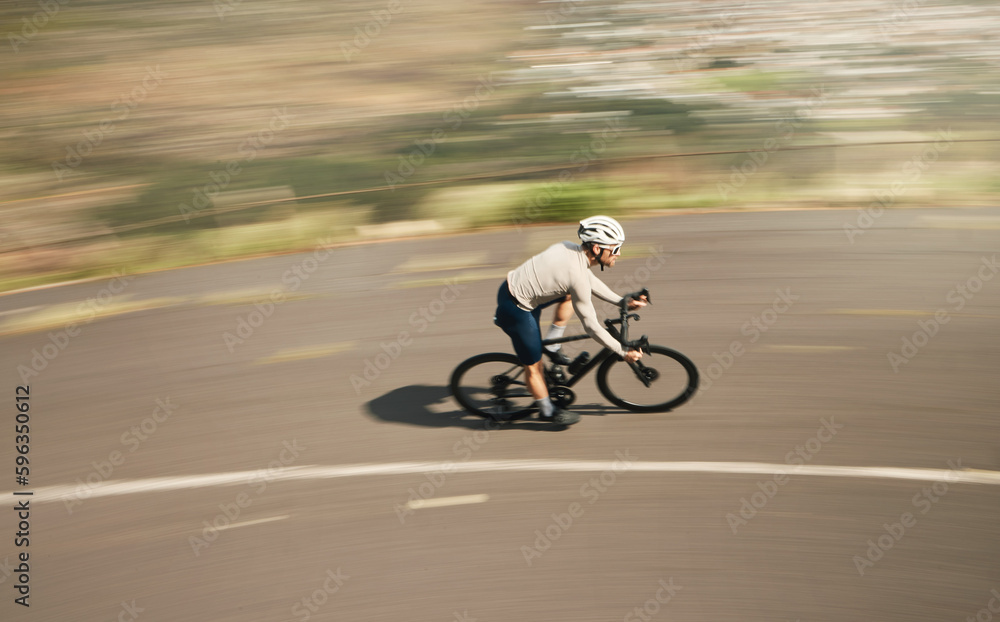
556, 375
558, 357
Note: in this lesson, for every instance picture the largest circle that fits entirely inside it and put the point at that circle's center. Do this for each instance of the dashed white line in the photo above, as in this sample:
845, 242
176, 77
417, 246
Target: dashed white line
809, 349
252, 522
417, 504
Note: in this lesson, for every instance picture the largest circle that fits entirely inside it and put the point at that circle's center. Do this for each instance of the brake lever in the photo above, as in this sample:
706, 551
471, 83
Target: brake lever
635, 296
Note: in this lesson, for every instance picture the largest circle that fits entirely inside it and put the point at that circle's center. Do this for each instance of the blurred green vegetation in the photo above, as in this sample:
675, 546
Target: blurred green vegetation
397, 116
479, 143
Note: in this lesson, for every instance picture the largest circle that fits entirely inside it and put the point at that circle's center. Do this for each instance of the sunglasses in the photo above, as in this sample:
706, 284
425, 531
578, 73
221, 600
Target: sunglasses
617, 250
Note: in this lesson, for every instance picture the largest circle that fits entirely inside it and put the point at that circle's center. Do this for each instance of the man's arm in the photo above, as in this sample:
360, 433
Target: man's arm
584, 309
602, 291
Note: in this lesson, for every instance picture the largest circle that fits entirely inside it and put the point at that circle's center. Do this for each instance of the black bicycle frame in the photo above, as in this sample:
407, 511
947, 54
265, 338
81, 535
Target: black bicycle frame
592, 363
620, 336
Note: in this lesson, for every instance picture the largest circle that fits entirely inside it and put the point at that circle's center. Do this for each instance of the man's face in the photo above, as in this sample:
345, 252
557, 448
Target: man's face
608, 256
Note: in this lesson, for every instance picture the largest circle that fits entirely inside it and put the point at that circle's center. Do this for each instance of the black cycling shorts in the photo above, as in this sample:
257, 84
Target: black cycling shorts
521, 326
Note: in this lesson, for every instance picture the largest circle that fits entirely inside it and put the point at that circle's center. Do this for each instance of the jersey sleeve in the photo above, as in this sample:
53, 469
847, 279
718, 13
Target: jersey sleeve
602, 291
584, 308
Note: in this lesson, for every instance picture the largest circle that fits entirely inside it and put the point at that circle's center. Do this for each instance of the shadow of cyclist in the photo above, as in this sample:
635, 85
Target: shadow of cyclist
413, 404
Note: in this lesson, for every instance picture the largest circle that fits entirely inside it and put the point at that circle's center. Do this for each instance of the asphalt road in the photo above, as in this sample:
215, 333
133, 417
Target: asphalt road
193, 381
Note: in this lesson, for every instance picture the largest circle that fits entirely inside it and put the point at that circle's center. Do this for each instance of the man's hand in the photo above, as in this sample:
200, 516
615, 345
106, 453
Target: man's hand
633, 355
637, 303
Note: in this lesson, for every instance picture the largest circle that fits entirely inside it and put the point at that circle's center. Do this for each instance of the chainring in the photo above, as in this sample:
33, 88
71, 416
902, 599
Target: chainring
562, 396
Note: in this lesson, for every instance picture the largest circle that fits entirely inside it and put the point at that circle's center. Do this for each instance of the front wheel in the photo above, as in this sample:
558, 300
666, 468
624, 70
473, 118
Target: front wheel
494, 386
668, 379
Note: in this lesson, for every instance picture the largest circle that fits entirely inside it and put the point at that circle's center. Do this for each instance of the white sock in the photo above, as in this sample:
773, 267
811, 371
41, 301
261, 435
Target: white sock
546, 407
555, 332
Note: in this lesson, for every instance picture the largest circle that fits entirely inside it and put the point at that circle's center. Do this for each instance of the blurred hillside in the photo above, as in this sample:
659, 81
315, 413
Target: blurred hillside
118, 114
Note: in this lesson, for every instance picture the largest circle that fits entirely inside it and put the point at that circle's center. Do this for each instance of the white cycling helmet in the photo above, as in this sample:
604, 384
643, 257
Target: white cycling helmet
603, 231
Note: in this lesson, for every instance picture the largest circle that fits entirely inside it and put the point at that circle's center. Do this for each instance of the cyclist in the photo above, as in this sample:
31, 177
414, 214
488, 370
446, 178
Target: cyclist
561, 275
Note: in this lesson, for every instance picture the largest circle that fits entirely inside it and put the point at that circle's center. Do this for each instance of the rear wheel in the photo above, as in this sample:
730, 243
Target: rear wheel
494, 386
662, 380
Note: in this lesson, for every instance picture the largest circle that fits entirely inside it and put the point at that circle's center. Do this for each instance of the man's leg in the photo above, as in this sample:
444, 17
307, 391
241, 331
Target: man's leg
561, 317
564, 311
536, 381
531, 344
522, 327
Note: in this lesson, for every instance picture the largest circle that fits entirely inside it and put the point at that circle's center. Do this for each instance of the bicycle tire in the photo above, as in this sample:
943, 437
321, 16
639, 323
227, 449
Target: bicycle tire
493, 408
685, 390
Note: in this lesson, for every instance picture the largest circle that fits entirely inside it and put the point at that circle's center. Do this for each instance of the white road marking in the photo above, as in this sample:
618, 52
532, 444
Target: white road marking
956, 221
809, 349
579, 25
469, 276
898, 312
252, 522
435, 263
887, 312
418, 504
22, 310
310, 352
68, 492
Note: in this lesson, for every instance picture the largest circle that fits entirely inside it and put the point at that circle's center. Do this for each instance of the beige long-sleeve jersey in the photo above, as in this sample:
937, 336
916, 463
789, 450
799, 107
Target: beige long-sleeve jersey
559, 270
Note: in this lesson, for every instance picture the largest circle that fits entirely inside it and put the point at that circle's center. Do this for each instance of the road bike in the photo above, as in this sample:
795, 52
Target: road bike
493, 385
